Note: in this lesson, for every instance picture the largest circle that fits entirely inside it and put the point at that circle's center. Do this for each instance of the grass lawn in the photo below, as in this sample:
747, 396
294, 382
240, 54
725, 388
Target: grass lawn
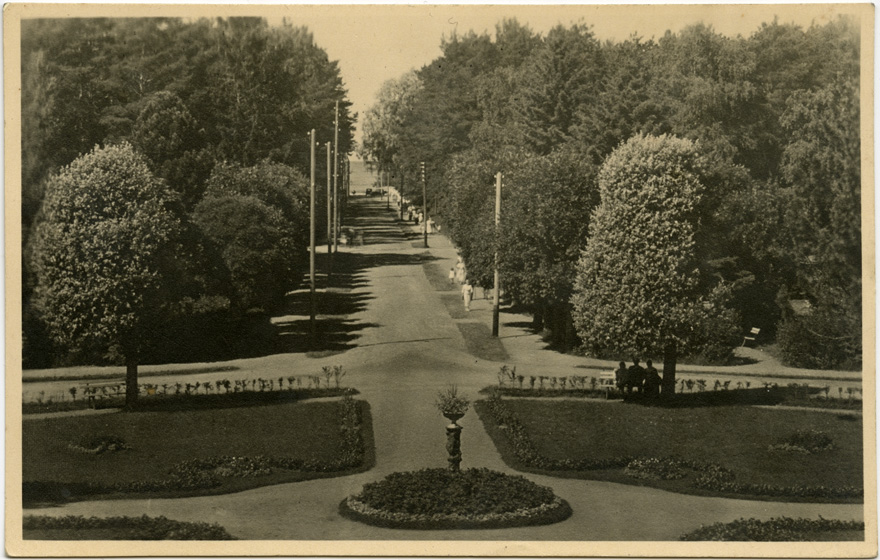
735, 437
160, 440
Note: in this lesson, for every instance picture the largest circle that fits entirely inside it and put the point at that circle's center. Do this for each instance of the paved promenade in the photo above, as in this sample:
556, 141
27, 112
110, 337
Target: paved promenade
407, 348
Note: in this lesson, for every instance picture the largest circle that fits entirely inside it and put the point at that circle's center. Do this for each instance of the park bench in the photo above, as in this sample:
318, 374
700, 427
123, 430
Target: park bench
752, 336
93, 391
607, 381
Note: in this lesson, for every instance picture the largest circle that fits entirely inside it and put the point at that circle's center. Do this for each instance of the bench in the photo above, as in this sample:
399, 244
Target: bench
752, 336
607, 381
93, 390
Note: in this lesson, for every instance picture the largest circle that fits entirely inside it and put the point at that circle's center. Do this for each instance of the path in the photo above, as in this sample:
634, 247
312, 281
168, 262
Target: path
409, 348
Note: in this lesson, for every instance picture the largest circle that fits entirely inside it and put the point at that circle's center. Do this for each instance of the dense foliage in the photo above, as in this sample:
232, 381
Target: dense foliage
217, 112
104, 255
775, 118
144, 528
779, 529
639, 288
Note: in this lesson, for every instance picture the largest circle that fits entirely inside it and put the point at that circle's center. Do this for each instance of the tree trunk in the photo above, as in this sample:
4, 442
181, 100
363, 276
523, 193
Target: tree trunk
670, 355
131, 382
570, 340
538, 318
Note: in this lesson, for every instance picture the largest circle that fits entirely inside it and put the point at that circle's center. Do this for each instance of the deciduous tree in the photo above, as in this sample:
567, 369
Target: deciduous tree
103, 252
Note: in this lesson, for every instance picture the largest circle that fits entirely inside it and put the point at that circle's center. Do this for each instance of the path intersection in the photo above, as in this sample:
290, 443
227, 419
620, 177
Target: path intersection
404, 342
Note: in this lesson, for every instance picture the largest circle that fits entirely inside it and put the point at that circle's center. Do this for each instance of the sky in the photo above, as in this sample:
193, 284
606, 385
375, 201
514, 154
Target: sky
376, 43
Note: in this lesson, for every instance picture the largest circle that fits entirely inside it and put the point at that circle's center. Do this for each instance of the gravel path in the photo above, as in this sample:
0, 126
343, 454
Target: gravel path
407, 349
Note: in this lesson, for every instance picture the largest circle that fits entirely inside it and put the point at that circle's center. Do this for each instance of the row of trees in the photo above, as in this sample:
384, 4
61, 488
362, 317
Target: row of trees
769, 213
164, 182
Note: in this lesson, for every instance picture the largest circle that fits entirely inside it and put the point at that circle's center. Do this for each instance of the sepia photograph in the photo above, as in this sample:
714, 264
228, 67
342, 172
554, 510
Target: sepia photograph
471, 280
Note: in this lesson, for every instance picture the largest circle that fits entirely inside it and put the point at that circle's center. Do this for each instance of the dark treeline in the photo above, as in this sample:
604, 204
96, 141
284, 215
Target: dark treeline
205, 123
770, 125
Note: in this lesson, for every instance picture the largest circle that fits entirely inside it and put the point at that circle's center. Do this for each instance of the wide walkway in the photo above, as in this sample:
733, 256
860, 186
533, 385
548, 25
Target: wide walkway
407, 347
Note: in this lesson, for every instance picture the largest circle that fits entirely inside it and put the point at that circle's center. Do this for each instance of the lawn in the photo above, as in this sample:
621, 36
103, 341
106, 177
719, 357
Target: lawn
735, 437
159, 441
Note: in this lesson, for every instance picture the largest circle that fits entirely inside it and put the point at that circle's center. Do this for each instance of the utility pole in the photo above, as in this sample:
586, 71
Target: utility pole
400, 192
312, 241
336, 179
495, 311
329, 205
424, 223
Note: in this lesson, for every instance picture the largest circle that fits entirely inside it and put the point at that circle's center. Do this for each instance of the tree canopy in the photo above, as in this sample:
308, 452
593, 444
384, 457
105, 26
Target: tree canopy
103, 254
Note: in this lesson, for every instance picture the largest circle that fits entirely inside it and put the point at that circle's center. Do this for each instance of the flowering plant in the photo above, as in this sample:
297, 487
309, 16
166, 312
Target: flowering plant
450, 402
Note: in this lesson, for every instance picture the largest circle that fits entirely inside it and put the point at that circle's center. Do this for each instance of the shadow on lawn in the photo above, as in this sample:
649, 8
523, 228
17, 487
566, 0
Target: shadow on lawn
733, 397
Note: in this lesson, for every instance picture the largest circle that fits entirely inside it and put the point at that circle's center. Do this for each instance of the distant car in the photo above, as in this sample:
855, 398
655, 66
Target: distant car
368, 192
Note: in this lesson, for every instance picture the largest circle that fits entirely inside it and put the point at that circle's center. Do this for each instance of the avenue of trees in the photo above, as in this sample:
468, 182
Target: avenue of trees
164, 189
661, 197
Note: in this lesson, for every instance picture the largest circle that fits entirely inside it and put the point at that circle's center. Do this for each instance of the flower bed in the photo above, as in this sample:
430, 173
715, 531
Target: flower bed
443, 499
77, 527
780, 529
703, 476
209, 474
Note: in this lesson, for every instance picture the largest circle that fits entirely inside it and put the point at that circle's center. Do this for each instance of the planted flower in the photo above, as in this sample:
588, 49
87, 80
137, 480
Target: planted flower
451, 404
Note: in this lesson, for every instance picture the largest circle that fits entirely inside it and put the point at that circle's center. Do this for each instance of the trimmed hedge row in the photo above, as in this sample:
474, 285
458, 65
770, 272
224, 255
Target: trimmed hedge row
142, 528
776, 529
432, 499
709, 476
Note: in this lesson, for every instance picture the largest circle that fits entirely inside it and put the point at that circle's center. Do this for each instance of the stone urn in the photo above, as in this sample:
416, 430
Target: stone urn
453, 407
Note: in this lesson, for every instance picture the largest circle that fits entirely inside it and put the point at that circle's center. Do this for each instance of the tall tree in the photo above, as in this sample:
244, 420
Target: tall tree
822, 168
103, 252
638, 289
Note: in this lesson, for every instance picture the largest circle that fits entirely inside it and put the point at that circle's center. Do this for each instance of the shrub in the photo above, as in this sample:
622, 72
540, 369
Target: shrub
126, 528
776, 529
818, 341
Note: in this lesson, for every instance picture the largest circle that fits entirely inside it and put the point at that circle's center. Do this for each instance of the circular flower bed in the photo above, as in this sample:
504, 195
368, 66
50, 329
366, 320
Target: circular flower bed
443, 499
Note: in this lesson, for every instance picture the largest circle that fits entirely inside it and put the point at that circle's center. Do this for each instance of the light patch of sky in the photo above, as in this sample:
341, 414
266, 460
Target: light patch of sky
377, 43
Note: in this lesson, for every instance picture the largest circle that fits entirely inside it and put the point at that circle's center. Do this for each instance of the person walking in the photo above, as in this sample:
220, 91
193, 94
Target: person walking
467, 293
452, 276
459, 271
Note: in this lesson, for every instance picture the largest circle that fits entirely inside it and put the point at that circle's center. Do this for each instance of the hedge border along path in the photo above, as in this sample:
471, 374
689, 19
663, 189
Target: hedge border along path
779, 529
546, 513
77, 527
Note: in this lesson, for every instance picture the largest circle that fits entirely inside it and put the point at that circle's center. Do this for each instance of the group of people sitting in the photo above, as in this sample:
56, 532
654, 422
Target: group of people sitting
645, 381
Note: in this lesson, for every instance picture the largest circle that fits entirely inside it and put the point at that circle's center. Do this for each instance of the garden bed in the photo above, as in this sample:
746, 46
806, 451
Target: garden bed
442, 499
78, 528
780, 529
719, 451
185, 397
193, 452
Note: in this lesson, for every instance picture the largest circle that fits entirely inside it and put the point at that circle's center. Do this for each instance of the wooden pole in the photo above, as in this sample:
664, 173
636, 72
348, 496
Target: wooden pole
336, 179
329, 204
495, 305
424, 223
312, 240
